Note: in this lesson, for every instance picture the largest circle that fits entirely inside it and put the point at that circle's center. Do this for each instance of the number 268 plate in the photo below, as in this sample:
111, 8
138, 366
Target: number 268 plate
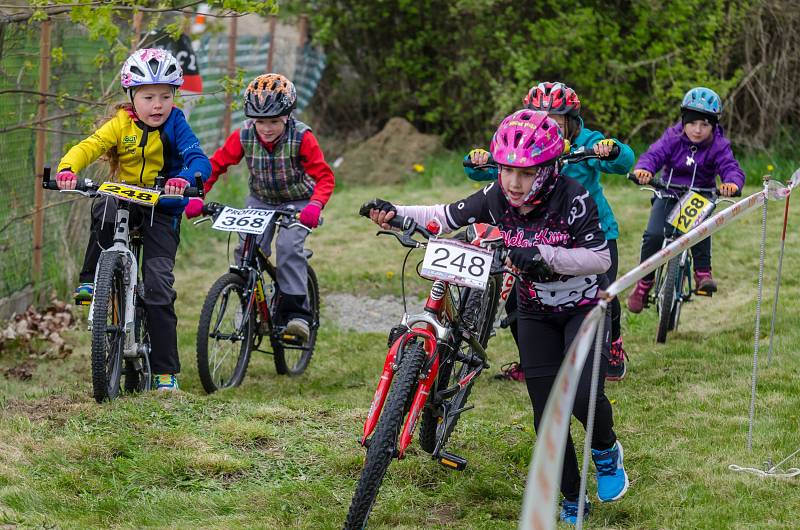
457, 263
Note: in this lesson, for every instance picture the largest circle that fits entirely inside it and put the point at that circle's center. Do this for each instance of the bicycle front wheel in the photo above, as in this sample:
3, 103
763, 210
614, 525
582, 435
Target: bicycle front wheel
383, 444
294, 360
667, 300
225, 334
108, 326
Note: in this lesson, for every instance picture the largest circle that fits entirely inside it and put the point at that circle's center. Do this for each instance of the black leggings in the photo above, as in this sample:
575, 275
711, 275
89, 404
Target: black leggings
544, 340
616, 311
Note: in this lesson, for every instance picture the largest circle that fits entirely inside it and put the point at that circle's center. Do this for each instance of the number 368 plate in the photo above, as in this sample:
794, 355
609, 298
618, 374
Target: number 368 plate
249, 221
457, 263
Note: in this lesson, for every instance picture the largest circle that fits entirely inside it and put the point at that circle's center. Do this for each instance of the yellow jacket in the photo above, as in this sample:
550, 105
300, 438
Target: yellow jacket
171, 150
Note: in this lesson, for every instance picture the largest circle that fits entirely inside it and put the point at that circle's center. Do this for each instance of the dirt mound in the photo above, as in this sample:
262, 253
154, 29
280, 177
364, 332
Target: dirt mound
389, 156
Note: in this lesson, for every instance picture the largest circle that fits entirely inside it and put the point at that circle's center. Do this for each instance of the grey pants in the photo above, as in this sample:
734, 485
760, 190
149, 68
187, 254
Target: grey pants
291, 262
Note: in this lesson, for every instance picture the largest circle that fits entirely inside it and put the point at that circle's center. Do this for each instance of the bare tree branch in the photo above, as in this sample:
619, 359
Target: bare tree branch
50, 95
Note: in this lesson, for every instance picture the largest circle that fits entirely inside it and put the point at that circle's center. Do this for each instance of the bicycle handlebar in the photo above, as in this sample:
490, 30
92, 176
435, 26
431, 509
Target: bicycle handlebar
88, 185
660, 185
578, 155
213, 209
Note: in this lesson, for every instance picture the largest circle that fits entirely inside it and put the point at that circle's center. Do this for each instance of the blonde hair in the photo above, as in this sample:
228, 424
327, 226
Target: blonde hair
111, 156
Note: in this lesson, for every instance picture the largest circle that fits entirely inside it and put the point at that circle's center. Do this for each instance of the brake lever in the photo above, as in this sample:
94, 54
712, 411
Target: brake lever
203, 220
405, 239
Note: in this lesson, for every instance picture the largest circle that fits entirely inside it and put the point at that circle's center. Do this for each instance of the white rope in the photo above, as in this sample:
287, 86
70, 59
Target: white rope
587, 443
789, 473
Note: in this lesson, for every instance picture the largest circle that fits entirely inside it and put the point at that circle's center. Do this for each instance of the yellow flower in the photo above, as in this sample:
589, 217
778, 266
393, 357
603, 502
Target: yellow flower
389, 275
770, 167
419, 168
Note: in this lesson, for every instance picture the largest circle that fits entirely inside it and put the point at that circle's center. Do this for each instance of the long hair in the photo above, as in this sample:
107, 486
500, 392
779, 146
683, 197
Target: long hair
111, 157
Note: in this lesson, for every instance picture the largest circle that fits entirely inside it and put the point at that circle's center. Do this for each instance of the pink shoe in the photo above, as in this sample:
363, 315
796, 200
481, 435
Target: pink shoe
511, 372
616, 362
638, 298
704, 283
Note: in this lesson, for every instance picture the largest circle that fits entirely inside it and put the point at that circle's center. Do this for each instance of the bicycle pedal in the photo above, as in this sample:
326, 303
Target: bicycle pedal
83, 302
704, 293
452, 461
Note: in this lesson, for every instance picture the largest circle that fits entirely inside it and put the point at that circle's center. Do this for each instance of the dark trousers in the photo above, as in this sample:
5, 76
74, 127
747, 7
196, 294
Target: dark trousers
159, 246
544, 340
653, 236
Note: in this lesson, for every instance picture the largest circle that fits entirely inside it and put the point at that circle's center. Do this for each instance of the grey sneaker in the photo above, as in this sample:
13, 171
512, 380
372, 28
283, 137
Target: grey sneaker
299, 328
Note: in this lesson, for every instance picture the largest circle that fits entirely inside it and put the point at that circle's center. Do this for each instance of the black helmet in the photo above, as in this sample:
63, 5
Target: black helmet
269, 96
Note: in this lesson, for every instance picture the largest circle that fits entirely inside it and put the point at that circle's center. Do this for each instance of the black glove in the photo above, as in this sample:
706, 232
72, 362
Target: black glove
376, 204
529, 261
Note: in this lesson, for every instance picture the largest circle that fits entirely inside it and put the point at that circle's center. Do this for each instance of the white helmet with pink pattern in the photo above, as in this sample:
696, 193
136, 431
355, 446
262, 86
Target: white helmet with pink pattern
150, 66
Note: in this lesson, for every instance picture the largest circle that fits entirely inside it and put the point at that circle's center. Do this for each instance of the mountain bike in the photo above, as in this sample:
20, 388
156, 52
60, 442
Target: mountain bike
434, 356
240, 308
673, 286
117, 313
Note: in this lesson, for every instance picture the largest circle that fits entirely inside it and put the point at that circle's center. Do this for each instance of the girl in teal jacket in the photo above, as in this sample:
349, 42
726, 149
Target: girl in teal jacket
562, 104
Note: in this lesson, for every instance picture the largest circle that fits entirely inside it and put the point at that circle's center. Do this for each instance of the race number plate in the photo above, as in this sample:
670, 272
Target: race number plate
457, 263
690, 211
129, 193
249, 221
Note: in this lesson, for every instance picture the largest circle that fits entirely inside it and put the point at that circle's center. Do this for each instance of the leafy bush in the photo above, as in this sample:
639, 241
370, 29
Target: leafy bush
455, 68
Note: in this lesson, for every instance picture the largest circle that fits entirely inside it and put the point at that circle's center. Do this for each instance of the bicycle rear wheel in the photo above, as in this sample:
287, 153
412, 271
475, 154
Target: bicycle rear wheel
383, 443
108, 326
666, 300
225, 334
138, 376
294, 361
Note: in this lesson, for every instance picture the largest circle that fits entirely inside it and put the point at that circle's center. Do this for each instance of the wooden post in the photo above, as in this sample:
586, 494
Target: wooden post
137, 30
38, 195
302, 30
273, 22
232, 37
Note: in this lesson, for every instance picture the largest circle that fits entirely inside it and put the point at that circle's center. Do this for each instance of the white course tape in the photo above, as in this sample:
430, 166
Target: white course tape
539, 507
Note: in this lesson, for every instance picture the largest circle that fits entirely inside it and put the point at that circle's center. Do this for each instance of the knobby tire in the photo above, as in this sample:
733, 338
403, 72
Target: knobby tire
108, 322
297, 365
233, 285
666, 309
384, 441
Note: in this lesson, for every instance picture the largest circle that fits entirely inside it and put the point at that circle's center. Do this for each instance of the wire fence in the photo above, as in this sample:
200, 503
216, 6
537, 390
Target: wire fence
80, 92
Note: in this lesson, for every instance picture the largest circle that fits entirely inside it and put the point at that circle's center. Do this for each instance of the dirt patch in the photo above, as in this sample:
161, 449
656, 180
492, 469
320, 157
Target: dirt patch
57, 408
363, 314
389, 156
23, 371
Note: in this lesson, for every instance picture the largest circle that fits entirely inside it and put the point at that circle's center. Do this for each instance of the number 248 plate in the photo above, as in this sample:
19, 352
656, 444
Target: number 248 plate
457, 263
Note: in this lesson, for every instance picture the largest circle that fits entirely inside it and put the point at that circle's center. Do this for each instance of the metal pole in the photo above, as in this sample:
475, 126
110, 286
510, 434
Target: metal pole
38, 195
778, 280
754, 376
232, 37
273, 22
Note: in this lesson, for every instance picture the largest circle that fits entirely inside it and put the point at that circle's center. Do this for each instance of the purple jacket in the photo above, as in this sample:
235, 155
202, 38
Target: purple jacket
675, 153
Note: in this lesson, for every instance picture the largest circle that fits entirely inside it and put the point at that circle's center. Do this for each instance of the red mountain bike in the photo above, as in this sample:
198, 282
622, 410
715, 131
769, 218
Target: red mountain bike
434, 357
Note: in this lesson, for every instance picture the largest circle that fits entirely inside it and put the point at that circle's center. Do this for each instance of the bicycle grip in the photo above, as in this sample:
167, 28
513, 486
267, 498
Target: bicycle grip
191, 191
613, 154
403, 223
46, 182
198, 182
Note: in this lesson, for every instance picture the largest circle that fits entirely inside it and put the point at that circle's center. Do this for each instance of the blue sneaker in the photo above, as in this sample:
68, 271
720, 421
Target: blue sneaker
612, 481
569, 511
84, 293
165, 382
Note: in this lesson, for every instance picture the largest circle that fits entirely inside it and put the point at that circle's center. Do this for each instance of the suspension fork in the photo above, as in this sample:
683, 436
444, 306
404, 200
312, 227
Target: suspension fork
389, 368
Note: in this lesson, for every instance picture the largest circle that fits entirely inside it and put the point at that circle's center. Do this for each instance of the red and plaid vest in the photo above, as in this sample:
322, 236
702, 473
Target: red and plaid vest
277, 177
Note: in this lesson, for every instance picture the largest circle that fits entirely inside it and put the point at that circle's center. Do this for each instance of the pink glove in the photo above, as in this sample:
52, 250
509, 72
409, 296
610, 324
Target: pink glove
66, 180
309, 215
194, 208
175, 186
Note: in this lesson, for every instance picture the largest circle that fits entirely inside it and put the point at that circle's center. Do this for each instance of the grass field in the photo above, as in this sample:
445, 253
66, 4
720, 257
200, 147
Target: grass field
282, 453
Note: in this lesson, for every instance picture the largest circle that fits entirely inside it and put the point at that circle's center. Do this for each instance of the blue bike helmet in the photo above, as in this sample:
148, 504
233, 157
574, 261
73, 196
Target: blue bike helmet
703, 100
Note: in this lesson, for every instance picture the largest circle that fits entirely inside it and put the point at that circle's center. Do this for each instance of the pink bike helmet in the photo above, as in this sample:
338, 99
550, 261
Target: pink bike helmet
529, 138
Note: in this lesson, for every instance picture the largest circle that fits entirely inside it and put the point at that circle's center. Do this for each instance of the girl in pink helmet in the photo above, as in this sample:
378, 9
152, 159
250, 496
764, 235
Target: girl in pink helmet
557, 245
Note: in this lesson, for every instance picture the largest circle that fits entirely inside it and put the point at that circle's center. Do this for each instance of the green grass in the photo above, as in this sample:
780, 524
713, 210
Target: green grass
282, 453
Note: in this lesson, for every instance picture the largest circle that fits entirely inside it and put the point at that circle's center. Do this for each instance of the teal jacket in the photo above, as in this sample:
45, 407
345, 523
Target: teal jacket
587, 173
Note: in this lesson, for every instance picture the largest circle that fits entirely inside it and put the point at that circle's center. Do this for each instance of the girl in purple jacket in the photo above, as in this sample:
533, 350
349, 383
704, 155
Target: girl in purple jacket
691, 153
